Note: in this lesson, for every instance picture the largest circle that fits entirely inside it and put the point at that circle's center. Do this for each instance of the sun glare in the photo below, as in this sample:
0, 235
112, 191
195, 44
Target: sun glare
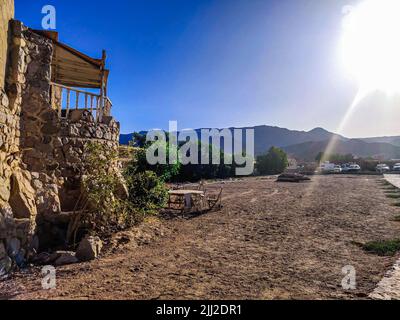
371, 45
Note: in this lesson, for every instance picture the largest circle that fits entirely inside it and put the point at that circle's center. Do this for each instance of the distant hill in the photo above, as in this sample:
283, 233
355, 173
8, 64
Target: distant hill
267, 136
305, 145
395, 140
309, 150
125, 138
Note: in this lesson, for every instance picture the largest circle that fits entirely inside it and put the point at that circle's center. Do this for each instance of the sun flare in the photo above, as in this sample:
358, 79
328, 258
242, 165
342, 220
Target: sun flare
371, 45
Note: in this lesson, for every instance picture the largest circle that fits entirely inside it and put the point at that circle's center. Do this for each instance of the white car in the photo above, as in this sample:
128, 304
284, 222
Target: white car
327, 167
396, 167
350, 168
382, 168
337, 169
353, 168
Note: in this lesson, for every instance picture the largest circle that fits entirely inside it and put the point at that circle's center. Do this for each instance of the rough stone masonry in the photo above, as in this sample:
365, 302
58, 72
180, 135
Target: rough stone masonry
41, 154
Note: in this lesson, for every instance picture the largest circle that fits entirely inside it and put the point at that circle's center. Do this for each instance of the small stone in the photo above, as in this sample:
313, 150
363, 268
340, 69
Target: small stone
66, 258
89, 248
5, 266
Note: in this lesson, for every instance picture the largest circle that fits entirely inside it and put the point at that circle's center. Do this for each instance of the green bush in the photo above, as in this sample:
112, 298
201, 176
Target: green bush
140, 164
393, 196
274, 162
177, 172
101, 207
383, 247
147, 192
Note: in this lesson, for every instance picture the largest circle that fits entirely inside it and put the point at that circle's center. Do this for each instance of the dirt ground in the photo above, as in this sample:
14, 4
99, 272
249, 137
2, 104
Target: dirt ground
270, 241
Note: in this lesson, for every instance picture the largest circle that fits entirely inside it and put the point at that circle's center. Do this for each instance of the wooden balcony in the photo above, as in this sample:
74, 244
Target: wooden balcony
64, 99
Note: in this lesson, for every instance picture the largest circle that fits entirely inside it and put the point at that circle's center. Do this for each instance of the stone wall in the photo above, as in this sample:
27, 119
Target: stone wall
17, 196
76, 132
41, 154
6, 13
52, 147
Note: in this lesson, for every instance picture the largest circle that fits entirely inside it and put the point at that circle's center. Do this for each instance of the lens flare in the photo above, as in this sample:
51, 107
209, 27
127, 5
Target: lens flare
371, 45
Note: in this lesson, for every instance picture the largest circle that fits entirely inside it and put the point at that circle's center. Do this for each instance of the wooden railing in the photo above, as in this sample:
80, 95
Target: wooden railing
65, 99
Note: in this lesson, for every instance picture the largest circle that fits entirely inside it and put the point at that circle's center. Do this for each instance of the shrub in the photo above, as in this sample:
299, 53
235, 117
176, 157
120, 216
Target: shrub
140, 164
147, 192
100, 208
393, 196
274, 162
383, 247
177, 172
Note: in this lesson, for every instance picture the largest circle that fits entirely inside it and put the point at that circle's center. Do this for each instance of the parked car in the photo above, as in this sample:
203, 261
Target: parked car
381, 168
327, 167
337, 169
354, 168
396, 167
350, 168
345, 167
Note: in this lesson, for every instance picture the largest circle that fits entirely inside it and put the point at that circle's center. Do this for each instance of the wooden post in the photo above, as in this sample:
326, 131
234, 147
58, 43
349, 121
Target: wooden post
103, 90
77, 100
61, 102
68, 102
91, 103
86, 101
97, 107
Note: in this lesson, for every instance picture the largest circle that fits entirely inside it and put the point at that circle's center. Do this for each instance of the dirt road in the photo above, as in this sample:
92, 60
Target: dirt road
270, 241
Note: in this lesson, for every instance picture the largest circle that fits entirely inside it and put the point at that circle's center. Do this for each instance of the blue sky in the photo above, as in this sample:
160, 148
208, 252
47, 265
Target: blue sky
217, 63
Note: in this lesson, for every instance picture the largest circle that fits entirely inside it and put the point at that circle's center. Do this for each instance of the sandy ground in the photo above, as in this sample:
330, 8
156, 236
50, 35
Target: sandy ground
270, 241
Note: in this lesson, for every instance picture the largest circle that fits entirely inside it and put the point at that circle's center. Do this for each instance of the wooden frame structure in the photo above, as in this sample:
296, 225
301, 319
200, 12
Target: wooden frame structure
73, 71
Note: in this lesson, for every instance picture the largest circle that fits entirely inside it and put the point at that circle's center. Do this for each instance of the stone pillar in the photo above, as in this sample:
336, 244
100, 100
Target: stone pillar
6, 14
17, 196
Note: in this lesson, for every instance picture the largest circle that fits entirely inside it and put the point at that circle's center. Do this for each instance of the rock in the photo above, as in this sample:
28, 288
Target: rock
58, 258
22, 199
292, 177
89, 248
42, 258
3, 252
14, 245
20, 258
121, 189
7, 225
5, 266
34, 244
65, 258
75, 115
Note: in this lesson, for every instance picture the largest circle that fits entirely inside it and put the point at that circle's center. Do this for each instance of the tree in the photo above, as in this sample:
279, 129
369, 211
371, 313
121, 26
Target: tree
139, 164
320, 156
274, 162
139, 140
147, 192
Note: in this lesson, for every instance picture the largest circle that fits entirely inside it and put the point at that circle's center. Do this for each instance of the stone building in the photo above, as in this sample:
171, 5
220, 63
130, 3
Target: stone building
45, 123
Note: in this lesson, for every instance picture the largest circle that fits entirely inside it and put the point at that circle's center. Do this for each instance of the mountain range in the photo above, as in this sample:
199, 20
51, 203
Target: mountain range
305, 145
